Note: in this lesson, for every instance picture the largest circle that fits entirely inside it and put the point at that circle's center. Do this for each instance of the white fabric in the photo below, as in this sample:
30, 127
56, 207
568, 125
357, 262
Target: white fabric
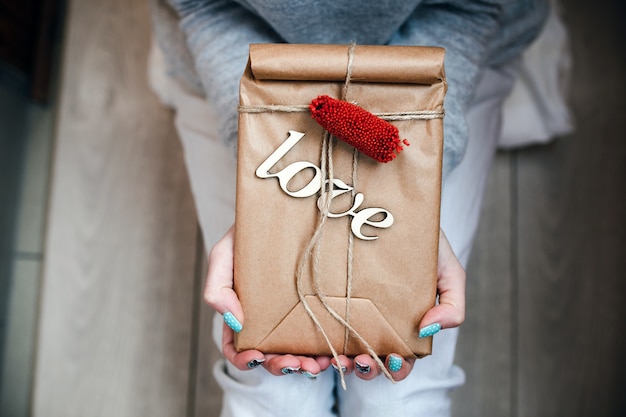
537, 109
211, 169
211, 166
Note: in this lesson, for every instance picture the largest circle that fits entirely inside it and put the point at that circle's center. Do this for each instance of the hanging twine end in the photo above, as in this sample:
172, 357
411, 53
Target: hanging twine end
371, 135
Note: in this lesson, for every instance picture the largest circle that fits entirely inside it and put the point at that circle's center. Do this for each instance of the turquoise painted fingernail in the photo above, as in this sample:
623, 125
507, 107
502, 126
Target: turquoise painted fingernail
395, 363
430, 330
232, 322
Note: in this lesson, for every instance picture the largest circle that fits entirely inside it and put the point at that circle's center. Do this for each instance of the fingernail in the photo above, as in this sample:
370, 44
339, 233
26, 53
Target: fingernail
430, 330
255, 362
395, 363
336, 368
309, 375
363, 369
289, 370
232, 322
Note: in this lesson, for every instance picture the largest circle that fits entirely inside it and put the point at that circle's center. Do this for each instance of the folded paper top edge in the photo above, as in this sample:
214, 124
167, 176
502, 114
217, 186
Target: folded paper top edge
372, 63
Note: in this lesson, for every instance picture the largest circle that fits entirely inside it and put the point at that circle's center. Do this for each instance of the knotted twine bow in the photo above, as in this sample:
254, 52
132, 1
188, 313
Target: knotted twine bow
312, 250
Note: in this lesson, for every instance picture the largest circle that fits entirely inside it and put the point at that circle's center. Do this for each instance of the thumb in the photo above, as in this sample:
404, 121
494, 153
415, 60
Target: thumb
218, 289
450, 310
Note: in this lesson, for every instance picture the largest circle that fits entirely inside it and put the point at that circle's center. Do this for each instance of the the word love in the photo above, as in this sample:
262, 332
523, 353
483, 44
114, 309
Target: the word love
373, 216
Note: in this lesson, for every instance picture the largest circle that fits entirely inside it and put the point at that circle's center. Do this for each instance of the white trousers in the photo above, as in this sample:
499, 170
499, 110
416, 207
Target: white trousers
211, 168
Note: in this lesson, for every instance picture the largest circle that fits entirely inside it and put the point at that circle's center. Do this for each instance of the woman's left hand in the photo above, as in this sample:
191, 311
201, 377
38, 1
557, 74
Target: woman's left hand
448, 313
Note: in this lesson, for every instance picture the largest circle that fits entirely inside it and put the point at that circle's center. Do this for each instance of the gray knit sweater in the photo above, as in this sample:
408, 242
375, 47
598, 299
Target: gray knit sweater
206, 41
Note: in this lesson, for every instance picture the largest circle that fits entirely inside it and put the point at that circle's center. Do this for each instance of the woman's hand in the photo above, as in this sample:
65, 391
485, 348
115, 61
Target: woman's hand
448, 313
219, 294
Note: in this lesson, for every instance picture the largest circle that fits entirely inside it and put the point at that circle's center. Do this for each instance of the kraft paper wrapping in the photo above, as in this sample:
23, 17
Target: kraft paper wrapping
393, 276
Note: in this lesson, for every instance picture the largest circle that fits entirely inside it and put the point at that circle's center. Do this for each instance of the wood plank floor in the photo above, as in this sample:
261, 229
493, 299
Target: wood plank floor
559, 303
115, 332
571, 228
485, 349
122, 332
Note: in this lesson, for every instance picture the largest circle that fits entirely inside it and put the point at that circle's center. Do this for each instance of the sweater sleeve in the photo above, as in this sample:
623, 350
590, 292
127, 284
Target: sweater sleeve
473, 34
218, 34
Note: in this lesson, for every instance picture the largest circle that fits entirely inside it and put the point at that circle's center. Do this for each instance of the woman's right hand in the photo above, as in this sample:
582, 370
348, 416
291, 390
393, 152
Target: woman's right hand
219, 294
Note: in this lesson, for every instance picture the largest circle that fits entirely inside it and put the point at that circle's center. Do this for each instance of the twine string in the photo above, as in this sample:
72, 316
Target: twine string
313, 248
350, 255
304, 108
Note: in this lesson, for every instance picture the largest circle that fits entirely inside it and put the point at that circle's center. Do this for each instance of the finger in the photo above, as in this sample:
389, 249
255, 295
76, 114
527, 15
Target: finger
218, 290
344, 362
365, 367
399, 367
309, 367
450, 310
441, 316
245, 360
282, 364
323, 362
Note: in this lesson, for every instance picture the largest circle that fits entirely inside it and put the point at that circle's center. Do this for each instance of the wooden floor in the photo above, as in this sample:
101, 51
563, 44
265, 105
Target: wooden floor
117, 309
122, 331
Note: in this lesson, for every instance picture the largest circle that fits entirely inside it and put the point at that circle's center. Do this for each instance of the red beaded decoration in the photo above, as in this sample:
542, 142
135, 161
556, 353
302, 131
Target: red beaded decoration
370, 134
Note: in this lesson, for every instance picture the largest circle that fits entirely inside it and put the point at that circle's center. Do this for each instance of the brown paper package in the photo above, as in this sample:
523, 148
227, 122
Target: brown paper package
393, 278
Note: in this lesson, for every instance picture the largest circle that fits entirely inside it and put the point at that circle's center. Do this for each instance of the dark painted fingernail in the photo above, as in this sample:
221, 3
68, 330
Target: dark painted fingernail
309, 375
232, 322
255, 362
430, 330
395, 363
363, 369
289, 370
336, 368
